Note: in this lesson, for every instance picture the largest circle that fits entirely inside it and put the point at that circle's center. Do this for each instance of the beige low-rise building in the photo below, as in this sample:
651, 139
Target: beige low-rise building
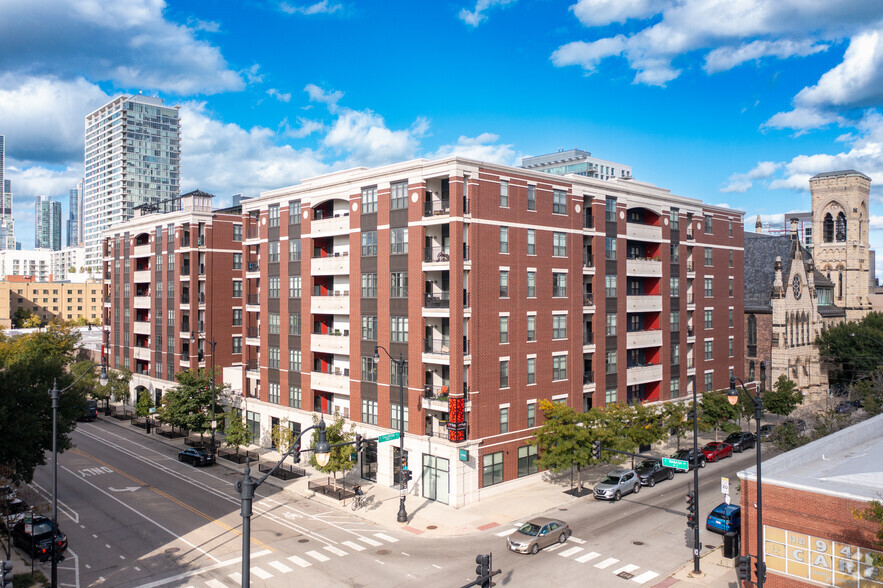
51, 300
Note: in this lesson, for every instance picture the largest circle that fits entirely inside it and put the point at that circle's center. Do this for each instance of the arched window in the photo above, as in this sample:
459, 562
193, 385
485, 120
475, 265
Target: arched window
840, 229
751, 371
828, 229
752, 336
839, 283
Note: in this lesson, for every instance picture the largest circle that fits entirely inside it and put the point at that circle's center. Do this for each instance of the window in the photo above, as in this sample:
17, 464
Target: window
531, 327
171, 264
369, 200
675, 354
398, 241
610, 395
559, 244
531, 372
751, 370
237, 288
504, 239
504, 329
527, 460
273, 320
294, 323
675, 251
369, 328
559, 202
273, 392
369, 412
294, 360
273, 286
399, 329
531, 284
559, 285
492, 469
730, 342
398, 195
294, 283
730, 227
398, 285
559, 326
731, 258
273, 220
610, 286
294, 212
610, 248
611, 362
675, 286
674, 217
559, 367
611, 324
610, 209
708, 254
369, 285
731, 286
531, 198
273, 251
395, 412
369, 243
731, 317
674, 321
709, 385
504, 284
708, 318
709, 353
504, 374
369, 369
273, 357
237, 233
237, 261
294, 396
531, 241
253, 424
674, 387
708, 288
707, 224
294, 250
504, 420
504, 194
394, 380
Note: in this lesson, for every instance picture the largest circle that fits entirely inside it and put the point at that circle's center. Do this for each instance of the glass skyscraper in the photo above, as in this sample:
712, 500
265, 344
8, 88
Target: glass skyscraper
47, 228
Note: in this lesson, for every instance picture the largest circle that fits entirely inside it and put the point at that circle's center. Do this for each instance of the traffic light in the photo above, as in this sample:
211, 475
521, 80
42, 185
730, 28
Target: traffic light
360, 443
691, 509
483, 570
295, 455
6, 570
760, 571
743, 568
407, 475
596, 449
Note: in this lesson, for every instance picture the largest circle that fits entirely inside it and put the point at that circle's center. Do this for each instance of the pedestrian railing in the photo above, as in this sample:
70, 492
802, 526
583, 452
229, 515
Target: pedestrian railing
283, 472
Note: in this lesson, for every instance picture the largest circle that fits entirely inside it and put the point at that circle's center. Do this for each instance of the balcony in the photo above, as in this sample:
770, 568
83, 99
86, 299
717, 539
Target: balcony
588, 381
588, 300
646, 267
641, 303
337, 382
588, 221
436, 404
336, 265
643, 232
252, 369
437, 208
642, 374
588, 262
330, 343
337, 303
339, 224
141, 251
142, 353
439, 299
142, 302
201, 297
142, 277
436, 254
437, 346
640, 339
253, 233
141, 327
588, 342
691, 335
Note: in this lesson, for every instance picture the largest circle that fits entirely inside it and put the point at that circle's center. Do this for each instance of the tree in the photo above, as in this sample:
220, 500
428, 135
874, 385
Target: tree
186, 405
145, 403
339, 461
32, 322
30, 364
856, 348
783, 398
873, 513
564, 440
283, 437
235, 432
715, 411
674, 419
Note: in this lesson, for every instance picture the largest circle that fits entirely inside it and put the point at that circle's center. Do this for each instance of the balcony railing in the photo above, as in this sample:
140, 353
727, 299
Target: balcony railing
436, 254
201, 326
252, 332
588, 260
689, 266
253, 266
436, 392
588, 378
202, 297
690, 236
588, 338
253, 232
253, 299
437, 300
437, 207
185, 327
201, 241
588, 300
588, 221
252, 365
439, 346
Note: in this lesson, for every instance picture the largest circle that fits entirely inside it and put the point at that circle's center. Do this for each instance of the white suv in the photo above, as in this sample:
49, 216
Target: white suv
617, 483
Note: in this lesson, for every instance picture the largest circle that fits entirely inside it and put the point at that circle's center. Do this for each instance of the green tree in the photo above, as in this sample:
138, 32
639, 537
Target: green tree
186, 405
339, 461
236, 434
564, 440
145, 403
783, 398
32, 322
873, 513
857, 348
283, 437
675, 419
716, 412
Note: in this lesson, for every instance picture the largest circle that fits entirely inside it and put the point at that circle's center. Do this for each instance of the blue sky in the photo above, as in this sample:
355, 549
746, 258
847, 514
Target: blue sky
735, 102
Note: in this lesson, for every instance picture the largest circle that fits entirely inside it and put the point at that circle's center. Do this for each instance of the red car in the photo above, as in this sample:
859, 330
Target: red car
717, 450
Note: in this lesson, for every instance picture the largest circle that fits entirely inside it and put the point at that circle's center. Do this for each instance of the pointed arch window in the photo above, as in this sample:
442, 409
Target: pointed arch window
828, 229
752, 336
840, 228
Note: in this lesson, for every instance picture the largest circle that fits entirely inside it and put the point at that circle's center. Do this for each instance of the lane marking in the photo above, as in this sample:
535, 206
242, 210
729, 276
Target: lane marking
645, 577
505, 533
261, 573
214, 583
335, 551
570, 551
386, 537
236, 577
301, 562
554, 547
606, 563
370, 542
280, 566
199, 571
629, 568
354, 546
577, 540
587, 557
317, 556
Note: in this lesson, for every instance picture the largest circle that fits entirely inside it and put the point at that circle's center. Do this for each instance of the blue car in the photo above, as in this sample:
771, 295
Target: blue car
724, 519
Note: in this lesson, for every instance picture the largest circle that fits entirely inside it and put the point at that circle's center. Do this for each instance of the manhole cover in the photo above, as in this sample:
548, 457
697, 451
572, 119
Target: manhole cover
625, 575
173, 550
562, 509
383, 552
432, 527
303, 540
637, 542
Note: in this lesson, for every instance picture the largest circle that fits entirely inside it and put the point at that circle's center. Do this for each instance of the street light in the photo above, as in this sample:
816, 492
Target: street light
247, 486
212, 343
402, 516
54, 394
733, 397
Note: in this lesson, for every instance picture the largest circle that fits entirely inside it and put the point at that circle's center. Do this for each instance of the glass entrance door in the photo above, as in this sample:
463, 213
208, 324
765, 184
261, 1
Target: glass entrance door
369, 461
435, 478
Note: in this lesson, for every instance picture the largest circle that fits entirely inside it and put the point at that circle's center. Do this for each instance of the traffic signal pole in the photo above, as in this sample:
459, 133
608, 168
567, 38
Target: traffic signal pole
697, 547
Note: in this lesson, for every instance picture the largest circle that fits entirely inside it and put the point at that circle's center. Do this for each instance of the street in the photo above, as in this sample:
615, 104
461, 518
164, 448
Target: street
135, 516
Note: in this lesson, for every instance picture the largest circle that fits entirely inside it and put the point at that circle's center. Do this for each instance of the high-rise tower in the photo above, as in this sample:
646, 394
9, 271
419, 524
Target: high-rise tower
132, 158
7, 225
47, 226
75, 217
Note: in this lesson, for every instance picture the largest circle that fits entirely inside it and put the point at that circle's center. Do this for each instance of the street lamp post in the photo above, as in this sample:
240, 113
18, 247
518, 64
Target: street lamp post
733, 397
213, 426
402, 516
247, 486
54, 394
697, 547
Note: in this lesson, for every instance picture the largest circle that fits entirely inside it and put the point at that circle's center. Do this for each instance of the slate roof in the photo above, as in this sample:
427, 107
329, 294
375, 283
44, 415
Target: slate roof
845, 172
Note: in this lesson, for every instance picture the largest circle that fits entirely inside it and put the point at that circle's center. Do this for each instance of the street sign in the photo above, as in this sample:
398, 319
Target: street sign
678, 464
388, 437
464, 455
725, 486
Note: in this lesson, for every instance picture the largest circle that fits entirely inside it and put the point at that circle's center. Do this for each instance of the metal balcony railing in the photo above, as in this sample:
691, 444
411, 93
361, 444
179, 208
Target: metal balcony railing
437, 207
202, 297
439, 346
185, 327
588, 338
436, 254
253, 232
588, 299
202, 326
689, 266
588, 260
251, 365
436, 392
253, 299
252, 332
201, 241
588, 221
253, 266
588, 378
437, 300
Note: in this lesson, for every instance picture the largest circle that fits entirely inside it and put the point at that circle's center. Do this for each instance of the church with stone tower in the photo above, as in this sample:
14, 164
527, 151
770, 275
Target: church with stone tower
794, 289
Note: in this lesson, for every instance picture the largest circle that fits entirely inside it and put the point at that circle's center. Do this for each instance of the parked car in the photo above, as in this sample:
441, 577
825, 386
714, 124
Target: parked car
195, 457
651, 471
798, 424
717, 450
538, 533
11, 512
687, 455
617, 483
34, 535
90, 411
741, 440
724, 518
766, 432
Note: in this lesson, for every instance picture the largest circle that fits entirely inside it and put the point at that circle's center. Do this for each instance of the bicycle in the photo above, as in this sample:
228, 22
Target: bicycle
361, 500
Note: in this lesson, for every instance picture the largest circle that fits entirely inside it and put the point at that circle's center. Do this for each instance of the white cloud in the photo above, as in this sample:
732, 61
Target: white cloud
323, 7
484, 147
588, 55
286, 97
740, 182
29, 181
365, 139
317, 94
737, 186
875, 222
802, 119
725, 58
307, 127
127, 42
475, 17
596, 13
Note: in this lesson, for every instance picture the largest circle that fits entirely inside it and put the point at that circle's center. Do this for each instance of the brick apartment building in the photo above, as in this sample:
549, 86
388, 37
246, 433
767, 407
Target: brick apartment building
50, 300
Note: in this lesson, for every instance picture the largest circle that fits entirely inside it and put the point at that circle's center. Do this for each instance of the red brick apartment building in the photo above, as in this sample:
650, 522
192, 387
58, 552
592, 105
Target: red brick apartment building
497, 286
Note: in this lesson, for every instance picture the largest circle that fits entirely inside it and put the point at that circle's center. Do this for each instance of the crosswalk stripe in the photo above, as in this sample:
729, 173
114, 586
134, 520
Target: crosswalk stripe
606, 563
280, 566
215, 584
577, 540
570, 551
236, 577
629, 568
319, 557
261, 573
370, 542
386, 537
505, 533
353, 545
587, 557
554, 547
301, 562
335, 551
645, 577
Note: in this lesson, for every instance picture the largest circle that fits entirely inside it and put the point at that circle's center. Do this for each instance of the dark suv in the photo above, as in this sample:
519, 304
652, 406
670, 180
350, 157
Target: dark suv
687, 455
741, 440
651, 471
34, 535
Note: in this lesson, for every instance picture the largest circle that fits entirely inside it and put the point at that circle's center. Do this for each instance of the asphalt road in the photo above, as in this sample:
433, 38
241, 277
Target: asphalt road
135, 516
